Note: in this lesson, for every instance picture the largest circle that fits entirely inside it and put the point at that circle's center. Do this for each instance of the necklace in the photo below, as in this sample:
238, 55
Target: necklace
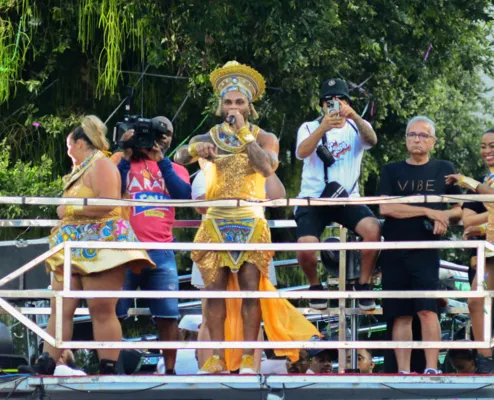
79, 167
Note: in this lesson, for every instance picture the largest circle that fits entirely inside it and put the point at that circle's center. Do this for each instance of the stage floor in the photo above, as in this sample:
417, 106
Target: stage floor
227, 387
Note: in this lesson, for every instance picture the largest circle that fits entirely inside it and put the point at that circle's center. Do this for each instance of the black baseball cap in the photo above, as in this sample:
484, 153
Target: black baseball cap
162, 125
334, 88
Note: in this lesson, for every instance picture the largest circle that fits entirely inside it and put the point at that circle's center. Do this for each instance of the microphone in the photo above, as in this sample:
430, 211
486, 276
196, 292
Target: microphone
231, 119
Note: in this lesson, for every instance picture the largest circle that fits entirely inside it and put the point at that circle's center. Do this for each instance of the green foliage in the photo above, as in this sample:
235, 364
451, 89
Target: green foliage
19, 178
73, 66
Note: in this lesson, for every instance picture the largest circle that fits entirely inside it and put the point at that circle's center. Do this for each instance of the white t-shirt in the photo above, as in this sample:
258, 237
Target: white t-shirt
64, 370
198, 186
347, 148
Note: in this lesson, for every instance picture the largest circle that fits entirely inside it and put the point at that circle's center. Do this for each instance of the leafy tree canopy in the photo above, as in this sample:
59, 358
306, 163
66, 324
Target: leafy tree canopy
60, 60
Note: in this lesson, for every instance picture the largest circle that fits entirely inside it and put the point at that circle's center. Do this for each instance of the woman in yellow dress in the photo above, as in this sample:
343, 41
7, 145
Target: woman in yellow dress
93, 175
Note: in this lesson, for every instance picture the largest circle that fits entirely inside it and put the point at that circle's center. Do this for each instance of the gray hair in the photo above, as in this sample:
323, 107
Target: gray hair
423, 118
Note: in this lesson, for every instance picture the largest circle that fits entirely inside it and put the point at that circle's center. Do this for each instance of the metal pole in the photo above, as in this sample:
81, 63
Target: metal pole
480, 267
353, 327
488, 320
58, 320
342, 303
67, 268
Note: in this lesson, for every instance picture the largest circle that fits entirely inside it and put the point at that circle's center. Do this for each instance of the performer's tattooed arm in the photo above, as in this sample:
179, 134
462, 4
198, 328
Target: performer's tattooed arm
263, 154
183, 157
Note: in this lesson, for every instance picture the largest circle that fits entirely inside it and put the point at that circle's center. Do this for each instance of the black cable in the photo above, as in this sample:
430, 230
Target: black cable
15, 386
241, 390
435, 395
123, 101
180, 108
119, 393
298, 387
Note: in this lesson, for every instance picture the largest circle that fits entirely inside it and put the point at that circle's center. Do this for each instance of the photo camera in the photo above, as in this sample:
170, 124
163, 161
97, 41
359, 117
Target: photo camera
146, 132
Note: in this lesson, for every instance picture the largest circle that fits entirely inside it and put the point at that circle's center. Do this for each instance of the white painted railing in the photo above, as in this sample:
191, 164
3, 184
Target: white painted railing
59, 296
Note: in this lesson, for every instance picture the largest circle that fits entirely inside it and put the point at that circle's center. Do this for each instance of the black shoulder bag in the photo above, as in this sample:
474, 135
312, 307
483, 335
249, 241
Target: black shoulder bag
333, 189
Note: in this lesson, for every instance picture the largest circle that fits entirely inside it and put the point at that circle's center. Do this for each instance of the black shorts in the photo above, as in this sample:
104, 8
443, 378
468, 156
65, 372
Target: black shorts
312, 220
409, 270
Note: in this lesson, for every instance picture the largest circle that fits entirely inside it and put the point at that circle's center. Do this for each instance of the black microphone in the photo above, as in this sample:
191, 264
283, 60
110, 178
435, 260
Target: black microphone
231, 119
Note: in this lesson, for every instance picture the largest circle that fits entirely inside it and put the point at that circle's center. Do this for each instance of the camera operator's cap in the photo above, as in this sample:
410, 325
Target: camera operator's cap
162, 124
334, 87
234, 76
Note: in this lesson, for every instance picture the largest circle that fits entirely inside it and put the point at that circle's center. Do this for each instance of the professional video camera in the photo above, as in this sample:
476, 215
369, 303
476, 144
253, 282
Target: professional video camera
146, 131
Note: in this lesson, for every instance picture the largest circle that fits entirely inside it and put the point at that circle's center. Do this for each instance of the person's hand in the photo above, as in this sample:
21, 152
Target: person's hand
154, 153
206, 150
332, 121
127, 153
453, 179
441, 221
472, 231
346, 111
239, 119
61, 211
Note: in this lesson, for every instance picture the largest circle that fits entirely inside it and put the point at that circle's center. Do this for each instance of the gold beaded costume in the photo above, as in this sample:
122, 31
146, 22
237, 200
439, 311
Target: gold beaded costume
232, 176
84, 228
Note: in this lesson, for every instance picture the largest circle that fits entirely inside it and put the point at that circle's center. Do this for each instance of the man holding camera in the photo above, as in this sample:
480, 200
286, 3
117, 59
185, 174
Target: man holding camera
332, 148
146, 174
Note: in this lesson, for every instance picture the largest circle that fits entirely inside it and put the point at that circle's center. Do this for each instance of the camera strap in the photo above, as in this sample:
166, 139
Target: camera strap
326, 180
325, 144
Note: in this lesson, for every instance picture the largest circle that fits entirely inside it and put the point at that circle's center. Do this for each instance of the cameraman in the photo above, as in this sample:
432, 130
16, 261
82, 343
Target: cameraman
149, 174
332, 148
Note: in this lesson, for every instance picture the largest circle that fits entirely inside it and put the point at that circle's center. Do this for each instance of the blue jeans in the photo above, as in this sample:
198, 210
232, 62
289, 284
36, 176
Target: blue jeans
163, 277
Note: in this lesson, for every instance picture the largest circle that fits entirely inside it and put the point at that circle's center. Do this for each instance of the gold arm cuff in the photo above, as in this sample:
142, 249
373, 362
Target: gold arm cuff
245, 135
469, 183
483, 228
69, 211
192, 150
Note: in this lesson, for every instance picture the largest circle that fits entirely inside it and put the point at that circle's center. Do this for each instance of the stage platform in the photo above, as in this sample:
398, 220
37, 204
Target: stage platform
247, 387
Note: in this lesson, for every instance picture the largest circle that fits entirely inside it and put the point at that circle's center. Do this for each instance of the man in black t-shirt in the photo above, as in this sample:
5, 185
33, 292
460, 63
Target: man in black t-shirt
416, 269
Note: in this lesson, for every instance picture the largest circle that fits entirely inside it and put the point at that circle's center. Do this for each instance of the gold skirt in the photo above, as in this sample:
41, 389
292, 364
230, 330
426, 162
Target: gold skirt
91, 261
245, 230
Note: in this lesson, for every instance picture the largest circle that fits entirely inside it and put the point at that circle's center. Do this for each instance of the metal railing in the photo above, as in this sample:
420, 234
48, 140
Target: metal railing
59, 296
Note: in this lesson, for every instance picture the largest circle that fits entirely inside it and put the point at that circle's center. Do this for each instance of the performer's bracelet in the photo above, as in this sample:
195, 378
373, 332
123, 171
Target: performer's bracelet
245, 135
70, 211
468, 183
192, 150
483, 229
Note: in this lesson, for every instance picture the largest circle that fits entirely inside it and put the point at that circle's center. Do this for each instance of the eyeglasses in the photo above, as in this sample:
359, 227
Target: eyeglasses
421, 136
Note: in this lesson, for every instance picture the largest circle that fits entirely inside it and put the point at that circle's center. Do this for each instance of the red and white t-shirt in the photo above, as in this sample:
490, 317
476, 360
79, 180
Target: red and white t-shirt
145, 182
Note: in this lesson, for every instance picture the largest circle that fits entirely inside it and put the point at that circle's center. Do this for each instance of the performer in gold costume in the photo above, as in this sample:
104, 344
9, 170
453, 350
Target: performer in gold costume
241, 155
93, 175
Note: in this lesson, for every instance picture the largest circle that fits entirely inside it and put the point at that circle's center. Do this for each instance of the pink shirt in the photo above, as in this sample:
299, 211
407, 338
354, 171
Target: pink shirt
145, 182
